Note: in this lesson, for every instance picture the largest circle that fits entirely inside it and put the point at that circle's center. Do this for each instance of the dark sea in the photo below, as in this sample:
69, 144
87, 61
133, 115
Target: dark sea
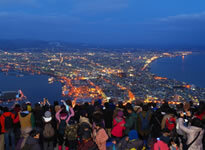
34, 87
191, 69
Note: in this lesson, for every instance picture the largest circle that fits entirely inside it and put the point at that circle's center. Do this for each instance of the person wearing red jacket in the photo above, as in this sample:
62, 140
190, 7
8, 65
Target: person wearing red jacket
118, 126
7, 123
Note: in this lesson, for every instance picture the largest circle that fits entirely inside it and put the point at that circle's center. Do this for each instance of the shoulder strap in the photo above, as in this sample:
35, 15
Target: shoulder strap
193, 140
157, 120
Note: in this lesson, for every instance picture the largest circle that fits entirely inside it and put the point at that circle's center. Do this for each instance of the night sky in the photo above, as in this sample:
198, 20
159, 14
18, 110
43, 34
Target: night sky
151, 22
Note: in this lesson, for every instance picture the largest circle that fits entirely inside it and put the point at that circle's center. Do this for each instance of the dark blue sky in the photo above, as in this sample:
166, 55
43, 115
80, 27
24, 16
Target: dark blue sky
155, 22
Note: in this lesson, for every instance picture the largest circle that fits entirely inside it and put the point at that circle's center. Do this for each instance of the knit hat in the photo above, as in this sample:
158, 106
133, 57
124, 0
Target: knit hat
120, 113
133, 135
47, 116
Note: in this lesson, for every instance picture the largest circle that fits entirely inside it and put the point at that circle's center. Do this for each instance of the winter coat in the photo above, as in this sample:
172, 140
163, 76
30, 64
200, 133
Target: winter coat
107, 115
127, 145
139, 125
130, 123
87, 145
32, 144
192, 132
163, 123
118, 127
161, 145
26, 119
6, 114
100, 138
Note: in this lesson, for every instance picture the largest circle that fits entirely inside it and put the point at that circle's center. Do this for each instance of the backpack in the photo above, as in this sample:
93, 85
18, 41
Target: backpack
48, 131
62, 127
145, 121
8, 123
71, 132
170, 123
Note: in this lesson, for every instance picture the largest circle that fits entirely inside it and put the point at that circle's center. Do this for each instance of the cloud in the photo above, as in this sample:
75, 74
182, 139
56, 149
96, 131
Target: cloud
184, 17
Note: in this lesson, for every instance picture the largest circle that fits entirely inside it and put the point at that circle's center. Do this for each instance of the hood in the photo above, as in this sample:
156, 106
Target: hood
24, 113
118, 119
31, 140
165, 139
84, 119
6, 114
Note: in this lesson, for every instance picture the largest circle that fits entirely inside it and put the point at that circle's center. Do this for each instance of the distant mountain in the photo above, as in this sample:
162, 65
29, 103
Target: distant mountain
38, 45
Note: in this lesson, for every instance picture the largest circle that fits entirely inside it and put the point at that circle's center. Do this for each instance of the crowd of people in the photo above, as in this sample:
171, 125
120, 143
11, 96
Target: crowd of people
98, 126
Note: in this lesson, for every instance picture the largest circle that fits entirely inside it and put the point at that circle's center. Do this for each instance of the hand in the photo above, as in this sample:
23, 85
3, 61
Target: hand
182, 114
188, 113
114, 142
62, 101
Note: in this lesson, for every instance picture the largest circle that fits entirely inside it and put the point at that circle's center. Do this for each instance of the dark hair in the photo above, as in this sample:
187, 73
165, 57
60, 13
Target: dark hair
175, 140
145, 108
106, 105
69, 102
196, 122
34, 132
56, 103
24, 107
83, 113
5, 109
99, 123
129, 107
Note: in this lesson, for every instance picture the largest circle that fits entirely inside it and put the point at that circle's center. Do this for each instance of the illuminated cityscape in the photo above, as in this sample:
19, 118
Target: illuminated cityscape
87, 76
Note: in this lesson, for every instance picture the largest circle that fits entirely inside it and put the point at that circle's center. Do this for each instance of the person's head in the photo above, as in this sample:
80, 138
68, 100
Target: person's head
24, 107
129, 109
196, 122
133, 135
145, 107
98, 124
84, 113
35, 134
5, 109
120, 104
69, 102
165, 132
174, 141
47, 116
106, 105
56, 103
120, 113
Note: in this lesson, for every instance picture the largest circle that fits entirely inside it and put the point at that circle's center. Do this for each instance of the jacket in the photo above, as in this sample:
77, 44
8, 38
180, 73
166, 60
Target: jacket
127, 145
6, 114
131, 123
139, 125
118, 127
163, 123
100, 138
87, 145
192, 132
26, 119
161, 145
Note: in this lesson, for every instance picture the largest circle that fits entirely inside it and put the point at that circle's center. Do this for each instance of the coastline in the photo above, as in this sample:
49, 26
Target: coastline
150, 67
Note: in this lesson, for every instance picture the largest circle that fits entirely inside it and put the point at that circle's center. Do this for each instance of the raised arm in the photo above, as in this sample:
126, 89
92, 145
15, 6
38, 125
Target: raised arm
71, 115
182, 127
58, 115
